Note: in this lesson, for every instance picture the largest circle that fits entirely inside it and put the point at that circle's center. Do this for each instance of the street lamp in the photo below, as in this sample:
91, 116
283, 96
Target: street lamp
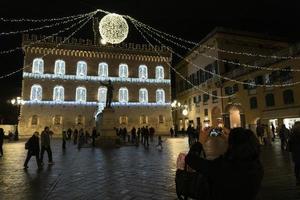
17, 102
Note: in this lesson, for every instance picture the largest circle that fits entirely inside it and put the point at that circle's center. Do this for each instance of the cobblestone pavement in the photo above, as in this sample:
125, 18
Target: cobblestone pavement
125, 173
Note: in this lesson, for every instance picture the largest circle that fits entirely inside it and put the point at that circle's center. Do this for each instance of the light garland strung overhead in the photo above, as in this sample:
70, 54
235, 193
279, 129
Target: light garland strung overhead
46, 20
179, 74
218, 59
42, 27
43, 39
113, 28
218, 75
214, 48
67, 38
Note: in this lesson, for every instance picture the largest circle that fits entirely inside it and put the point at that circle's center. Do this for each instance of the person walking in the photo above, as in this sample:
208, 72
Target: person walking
94, 135
81, 138
138, 134
273, 132
190, 133
159, 144
33, 147
260, 132
283, 135
151, 133
69, 133
294, 148
133, 135
75, 136
1, 141
45, 143
171, 132
146, 137
64, 138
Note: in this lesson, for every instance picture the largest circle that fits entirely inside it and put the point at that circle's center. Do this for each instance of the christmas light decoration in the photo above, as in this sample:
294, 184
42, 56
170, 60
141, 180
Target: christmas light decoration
217, 75
46, 20
42, 27
94, 78
218, 59
213, 48
43, 39
94, 103
67, 38
113, 28
179, 74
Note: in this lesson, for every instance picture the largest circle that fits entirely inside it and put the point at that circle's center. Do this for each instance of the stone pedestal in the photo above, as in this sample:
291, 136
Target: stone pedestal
106, 123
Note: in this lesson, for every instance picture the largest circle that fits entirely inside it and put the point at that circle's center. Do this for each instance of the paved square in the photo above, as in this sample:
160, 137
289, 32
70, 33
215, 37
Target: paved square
125, 173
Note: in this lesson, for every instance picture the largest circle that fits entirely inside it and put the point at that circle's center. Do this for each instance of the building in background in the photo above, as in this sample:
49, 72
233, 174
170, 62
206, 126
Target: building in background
249, 103
61, 85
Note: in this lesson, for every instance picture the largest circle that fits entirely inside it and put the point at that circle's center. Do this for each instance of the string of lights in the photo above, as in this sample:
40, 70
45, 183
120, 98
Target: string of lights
67, 38
222, 60
215, 74
178, 73
45, 20
215, 48
42, 27
43, 39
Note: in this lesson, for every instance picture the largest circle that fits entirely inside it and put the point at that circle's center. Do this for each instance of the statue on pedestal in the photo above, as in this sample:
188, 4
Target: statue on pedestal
109, 93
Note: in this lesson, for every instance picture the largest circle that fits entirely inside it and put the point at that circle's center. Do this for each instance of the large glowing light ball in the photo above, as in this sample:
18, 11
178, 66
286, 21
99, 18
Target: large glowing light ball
113, 28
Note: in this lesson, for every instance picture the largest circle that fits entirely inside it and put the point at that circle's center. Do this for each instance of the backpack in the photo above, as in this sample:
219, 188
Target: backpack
190, 183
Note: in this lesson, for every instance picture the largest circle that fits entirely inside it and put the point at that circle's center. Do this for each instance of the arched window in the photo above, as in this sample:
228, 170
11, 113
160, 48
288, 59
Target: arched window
159, 73
36, 93
81, 69
123, 71
102, 91
103, 69
143, 72
143, 95
59, 67
288, 96
270, 101
38, 66
160, 96
123, 95
81, 94
58, 93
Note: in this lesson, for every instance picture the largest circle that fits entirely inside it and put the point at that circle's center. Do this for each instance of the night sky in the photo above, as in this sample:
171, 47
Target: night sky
191, 20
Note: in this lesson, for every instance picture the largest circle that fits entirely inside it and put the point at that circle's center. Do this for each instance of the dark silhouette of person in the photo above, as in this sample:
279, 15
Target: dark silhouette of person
33, 147
190, 133
284, 135
237, 174
1, 141
75, 136
146, 136
94, 135
294, 147
45, 143
69, 133
171, 132
109, 93
133, 135
273, 132
64, 138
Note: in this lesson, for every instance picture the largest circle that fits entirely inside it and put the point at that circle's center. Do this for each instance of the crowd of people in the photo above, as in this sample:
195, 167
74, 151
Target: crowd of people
142, 135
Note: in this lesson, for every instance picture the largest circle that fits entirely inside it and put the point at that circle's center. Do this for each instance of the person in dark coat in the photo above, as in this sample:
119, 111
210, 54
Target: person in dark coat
64, 139
1, 141
171, 132
94, 135
283, 135
238, 173
75, 136
45, 143
33, 147
294, 147
190, 133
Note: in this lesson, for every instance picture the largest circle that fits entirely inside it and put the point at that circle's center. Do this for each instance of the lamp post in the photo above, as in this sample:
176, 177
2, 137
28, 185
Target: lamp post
175, 105
18, 101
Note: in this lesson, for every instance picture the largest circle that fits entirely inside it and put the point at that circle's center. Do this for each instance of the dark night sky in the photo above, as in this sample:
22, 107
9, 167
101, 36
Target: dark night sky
188, 19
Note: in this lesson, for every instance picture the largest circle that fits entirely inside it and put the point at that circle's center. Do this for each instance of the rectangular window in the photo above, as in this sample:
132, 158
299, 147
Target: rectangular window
123, 120
206, 112
143, 119
205, 99
161, 119
34, 120
214, 98
57, 120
